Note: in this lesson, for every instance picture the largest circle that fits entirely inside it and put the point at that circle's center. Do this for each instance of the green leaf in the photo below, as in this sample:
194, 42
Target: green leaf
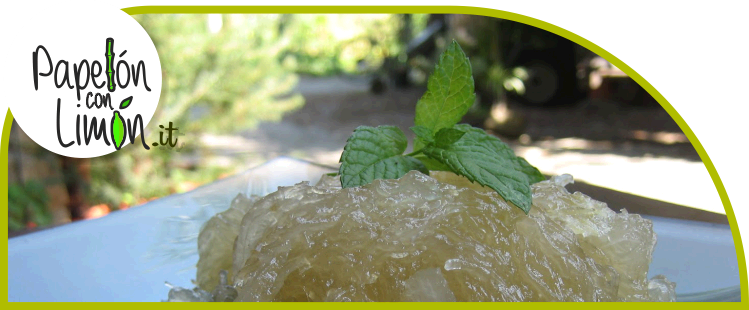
448, 136
450, 92
431, 164
117, 129
126, 102
485, 159
425, 134
534, 176
376, 153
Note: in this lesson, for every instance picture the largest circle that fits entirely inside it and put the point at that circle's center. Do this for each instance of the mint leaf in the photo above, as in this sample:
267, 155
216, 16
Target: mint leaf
534, 176
484, 159
423, 133
431, 164
448, 136
450, 92
440, 144
376, 153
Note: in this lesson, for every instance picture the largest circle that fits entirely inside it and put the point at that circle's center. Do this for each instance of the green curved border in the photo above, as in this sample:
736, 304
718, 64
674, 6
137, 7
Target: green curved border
741, 260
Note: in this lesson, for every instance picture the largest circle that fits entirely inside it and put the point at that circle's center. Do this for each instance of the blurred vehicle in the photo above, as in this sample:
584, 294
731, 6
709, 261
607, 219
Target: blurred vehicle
512, 61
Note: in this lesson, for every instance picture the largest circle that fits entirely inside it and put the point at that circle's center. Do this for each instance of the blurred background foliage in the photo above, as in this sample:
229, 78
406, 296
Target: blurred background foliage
221, 74
225, 75
27, 206
335, 43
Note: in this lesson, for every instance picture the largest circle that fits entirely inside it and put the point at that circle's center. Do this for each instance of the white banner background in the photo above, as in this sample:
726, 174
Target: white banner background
693, 53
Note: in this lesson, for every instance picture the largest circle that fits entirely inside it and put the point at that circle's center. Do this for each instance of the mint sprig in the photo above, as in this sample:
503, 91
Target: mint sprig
441, 144
450, 92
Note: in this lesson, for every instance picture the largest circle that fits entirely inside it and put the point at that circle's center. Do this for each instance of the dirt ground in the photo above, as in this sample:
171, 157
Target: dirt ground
633, 149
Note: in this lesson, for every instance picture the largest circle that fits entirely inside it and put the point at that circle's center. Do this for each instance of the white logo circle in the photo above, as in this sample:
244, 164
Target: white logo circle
92, 84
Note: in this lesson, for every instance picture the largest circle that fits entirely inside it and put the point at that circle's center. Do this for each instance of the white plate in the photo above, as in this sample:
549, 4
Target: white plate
128, 255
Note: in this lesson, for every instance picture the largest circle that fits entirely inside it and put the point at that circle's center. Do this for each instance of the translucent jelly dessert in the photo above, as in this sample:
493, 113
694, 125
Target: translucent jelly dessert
425, 238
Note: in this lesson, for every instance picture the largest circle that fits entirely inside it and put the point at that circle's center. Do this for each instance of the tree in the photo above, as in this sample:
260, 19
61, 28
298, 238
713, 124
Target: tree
221, 74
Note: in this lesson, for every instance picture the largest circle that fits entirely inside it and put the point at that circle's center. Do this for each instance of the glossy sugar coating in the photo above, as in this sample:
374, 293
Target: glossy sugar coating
428, 238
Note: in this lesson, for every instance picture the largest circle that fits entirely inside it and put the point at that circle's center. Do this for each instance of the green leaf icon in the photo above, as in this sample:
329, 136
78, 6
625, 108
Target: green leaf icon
117, 129
126, 102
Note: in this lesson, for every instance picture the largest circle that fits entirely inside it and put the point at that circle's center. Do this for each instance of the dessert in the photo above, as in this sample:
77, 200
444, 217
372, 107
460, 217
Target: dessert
426, 238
